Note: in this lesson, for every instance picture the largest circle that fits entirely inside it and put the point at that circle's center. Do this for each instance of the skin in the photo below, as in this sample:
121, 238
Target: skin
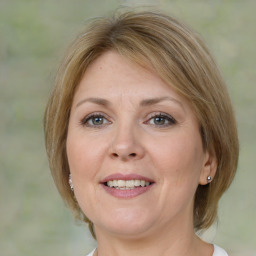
131, 140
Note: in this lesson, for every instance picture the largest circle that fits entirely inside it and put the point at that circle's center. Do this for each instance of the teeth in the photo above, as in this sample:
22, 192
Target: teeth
121, 183
127, 184
137, 183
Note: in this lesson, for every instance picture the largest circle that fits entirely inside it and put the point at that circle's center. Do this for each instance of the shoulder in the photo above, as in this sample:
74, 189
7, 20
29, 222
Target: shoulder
219, 251
91, 253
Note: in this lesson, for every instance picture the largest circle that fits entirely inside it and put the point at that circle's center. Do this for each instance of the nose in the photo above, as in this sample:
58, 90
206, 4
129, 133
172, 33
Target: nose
127, 144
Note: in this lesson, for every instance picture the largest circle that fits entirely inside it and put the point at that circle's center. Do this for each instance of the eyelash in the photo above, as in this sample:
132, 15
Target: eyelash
171, 121
85, 121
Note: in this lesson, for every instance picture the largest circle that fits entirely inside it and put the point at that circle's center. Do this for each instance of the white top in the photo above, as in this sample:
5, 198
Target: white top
91, 254
217, 251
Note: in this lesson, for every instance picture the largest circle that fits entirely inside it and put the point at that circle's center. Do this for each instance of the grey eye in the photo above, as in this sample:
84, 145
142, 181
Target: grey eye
159, 120
95, 120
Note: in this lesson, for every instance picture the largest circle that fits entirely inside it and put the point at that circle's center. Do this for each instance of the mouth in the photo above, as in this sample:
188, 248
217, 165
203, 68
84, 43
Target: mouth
127, 184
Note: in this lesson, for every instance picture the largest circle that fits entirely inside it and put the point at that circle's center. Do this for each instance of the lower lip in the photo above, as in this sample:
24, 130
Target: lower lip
126, 193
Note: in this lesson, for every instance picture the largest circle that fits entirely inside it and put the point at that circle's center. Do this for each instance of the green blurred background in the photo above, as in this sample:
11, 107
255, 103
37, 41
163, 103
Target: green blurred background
33, 38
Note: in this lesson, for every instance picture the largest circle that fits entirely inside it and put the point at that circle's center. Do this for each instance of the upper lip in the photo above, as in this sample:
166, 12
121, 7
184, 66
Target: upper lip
120, 176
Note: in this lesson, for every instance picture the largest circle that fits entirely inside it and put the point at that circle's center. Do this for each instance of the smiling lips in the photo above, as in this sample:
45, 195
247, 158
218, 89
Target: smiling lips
126, 186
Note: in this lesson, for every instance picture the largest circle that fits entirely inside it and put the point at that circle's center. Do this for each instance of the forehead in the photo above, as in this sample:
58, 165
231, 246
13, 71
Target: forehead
115, 66
112, 74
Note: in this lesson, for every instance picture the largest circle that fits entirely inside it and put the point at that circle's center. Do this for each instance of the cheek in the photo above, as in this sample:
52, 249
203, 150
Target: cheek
75, 153
83, 163
179, 158
82, 158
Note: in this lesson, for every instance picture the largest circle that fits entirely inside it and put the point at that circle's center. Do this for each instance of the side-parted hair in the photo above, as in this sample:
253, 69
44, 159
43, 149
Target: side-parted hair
180, 57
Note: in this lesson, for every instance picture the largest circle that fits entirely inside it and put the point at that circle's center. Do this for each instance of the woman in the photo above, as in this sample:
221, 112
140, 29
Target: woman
141, 136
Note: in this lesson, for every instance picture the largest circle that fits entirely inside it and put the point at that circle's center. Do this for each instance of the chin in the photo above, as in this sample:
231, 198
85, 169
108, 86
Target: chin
126, 223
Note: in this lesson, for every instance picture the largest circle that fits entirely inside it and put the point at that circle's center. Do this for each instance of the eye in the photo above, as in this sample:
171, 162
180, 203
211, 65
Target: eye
161, 120
95, 120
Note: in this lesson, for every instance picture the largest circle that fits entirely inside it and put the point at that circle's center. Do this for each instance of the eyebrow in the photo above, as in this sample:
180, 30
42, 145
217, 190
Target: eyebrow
99, 101
152, 101
146, 102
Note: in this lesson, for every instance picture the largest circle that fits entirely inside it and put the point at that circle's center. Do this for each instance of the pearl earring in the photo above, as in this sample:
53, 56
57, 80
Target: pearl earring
70, 182
209, 179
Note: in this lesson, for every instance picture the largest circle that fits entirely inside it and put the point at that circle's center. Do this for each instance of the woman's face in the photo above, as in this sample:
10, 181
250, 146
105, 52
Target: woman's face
134, 150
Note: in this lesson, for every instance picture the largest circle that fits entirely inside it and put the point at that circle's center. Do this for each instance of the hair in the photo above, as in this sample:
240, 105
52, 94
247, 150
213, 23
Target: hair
180, 57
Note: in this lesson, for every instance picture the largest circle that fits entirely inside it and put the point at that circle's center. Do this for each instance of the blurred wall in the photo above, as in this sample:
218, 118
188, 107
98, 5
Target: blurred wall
33, 37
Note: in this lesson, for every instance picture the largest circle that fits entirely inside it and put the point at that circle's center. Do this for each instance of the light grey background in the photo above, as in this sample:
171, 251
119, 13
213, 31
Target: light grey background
33, 38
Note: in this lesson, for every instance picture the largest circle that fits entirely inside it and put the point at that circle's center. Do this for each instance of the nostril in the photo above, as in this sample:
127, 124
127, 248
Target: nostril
123, 155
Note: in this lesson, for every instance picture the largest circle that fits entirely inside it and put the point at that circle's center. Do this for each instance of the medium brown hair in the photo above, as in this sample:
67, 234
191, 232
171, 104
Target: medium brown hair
180, 57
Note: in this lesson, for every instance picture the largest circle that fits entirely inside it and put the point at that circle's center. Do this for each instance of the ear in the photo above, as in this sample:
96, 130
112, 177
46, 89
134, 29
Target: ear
209, 168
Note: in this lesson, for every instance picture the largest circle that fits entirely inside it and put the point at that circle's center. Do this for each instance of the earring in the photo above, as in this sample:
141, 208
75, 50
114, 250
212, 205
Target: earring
70, 182
209, 179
